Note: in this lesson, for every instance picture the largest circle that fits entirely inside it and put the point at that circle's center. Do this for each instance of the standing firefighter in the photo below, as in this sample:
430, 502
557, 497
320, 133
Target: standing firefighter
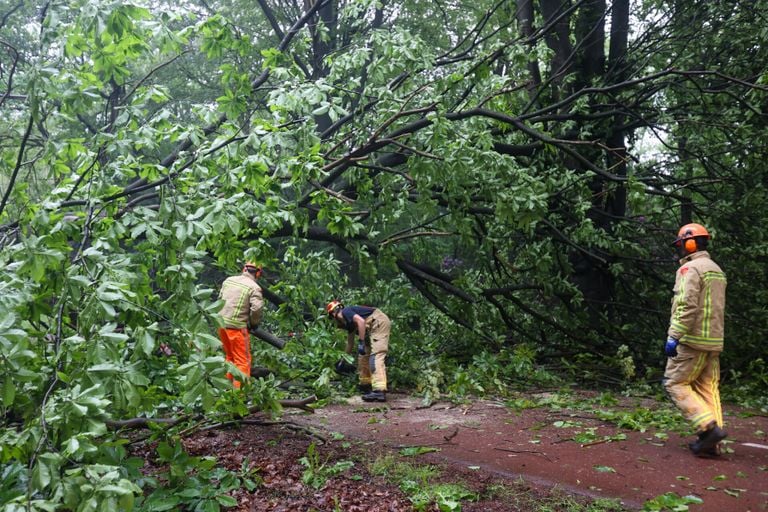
695, 339
360, 321
243, 304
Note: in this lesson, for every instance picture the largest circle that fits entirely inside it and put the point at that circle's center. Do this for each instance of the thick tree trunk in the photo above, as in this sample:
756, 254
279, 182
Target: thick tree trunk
558, 38
617, 69
590, 36
525, 16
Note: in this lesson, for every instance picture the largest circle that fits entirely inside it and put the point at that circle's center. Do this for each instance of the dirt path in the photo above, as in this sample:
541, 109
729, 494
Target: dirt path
537, 445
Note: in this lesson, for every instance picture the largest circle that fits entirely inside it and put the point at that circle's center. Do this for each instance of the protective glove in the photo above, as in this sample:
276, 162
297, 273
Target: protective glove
361, 348
670, 347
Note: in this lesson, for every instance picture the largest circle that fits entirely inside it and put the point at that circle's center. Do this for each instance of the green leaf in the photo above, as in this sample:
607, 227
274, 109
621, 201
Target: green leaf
208, 506
108, 368
417, 450
226, 501
145, 341
71, 446
189, 492
9, 392
159, 502
46, 471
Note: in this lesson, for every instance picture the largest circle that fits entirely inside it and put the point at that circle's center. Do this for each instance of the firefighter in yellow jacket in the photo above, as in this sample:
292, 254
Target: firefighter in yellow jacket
695, 339
243, 304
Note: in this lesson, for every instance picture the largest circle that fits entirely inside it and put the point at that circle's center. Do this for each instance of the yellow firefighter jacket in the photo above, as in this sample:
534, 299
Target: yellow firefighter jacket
243, 302
698, 303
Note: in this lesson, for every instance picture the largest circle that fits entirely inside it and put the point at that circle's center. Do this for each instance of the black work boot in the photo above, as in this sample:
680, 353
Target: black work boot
364, 388
706, 444
375, 396
697, 450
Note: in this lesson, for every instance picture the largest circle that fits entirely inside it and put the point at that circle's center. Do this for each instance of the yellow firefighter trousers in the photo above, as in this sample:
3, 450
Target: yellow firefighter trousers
371, 366
692, 379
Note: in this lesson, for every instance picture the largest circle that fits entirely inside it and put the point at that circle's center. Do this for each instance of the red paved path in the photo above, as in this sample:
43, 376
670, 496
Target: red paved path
527, 444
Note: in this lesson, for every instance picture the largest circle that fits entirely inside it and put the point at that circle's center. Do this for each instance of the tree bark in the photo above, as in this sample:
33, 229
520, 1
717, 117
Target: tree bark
558, 39
525, 16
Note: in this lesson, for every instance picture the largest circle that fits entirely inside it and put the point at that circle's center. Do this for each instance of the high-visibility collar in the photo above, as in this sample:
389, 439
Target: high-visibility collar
694, 256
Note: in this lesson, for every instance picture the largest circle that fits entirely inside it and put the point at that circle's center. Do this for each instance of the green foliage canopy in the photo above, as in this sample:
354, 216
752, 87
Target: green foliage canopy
521, 167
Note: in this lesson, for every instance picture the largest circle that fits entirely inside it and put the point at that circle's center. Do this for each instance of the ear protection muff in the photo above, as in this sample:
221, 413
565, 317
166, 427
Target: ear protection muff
689, 244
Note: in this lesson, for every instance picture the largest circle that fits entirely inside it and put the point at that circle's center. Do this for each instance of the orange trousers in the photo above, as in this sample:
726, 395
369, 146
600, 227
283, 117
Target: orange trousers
237, 350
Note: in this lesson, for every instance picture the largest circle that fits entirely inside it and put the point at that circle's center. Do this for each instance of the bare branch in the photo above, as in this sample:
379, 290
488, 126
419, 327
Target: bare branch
9, 89
9, 13
19, 158
135, 423
150, 73
416, 234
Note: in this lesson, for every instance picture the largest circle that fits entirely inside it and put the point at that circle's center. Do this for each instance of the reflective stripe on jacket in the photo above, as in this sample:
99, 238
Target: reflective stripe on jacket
243, 302
698, 304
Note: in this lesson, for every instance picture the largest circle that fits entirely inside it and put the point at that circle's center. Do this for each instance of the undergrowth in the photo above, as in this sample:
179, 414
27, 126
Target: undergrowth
520, 496
425, 486
418, 482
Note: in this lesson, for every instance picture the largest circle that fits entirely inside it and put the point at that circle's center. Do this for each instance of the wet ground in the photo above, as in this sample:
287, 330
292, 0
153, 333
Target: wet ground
571, 450
534, 453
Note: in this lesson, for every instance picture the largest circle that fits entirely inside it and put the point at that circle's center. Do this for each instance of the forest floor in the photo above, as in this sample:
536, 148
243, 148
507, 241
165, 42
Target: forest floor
539, 452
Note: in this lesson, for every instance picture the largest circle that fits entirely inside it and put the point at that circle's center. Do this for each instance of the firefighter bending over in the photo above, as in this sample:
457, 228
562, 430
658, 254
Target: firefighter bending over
370, 327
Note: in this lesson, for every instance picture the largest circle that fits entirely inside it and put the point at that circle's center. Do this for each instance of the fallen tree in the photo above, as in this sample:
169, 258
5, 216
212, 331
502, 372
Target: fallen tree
138, 423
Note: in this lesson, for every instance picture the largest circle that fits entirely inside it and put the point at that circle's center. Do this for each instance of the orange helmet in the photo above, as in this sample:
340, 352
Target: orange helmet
687, 235
332, 307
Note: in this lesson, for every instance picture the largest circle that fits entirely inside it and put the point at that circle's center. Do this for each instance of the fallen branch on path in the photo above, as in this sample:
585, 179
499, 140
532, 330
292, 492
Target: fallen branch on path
298, 404
451, 435
533, 452
136, 423
287, 424
584, 445
599, 441
571, 416
406, 446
